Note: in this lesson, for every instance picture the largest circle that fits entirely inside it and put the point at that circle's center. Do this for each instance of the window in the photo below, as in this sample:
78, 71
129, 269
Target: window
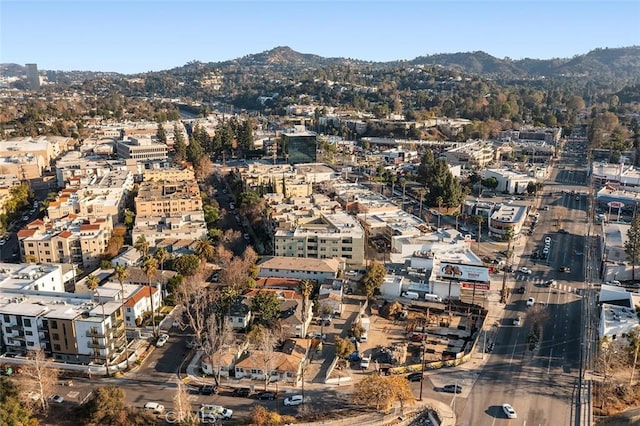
28, 333
55, 336
56, 347
30, 344
7, 318
54, 324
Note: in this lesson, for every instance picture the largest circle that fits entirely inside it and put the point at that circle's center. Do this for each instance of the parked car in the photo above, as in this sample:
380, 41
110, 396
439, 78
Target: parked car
531, 301
354, 357
364, 363
613, 282
270, 396
522, 290
452, 388
162, 340
547, 240
565, 269
415, 377
516, 321
293, 400
56, 398
244, 392
509, 411
563, 231
154, 407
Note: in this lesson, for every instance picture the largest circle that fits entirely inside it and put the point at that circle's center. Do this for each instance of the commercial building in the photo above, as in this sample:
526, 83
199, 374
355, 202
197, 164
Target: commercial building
618, 315
70, 239
507, 216
615, 265
509, 181
298, 145
624, 175
325, 235
33, 76
141, 149
472, 155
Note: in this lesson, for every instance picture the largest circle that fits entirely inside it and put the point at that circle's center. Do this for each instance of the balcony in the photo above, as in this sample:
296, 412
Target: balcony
96, 345
117, 323
118, 333
95, 333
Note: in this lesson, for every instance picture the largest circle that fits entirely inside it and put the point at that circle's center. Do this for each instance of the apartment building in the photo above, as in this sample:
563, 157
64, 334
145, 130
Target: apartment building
170, 174
35, 313
300, 268
70, 239
168, 197
104, 196
48, 148
141, 149
473, 154
325, 235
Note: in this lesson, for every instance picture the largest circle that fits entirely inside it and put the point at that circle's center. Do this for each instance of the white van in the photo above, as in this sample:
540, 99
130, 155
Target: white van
411, 295
432, 298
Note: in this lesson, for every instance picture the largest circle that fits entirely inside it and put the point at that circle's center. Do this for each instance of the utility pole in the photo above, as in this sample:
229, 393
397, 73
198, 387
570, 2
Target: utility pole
422, 369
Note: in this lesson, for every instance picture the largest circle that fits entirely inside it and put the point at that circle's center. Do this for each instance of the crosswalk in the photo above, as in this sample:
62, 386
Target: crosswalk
540, 281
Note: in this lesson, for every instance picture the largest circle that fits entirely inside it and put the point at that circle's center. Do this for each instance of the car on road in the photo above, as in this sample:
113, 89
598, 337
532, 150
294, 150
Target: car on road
550, 283
452, 388
214, 412
293, 400
509, 411
546, 208
565, 269
531, 301
154, 407
270, 396
516, 321
547, 241
522, 290
56, 398
613, 282
525, 270
536, 215
162, 340
208, 390
415, 377
243, 392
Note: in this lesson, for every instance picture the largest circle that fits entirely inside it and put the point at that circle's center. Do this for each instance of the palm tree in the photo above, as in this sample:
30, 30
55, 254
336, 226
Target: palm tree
161, 255
509, 234
439, 201
421, 193
205, 249
121, 275
92, 285
456, 214
305, 287
150, 267
142, 246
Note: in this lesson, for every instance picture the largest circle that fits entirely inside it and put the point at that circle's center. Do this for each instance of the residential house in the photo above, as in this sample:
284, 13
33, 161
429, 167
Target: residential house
145, 300
281, 366
239, 315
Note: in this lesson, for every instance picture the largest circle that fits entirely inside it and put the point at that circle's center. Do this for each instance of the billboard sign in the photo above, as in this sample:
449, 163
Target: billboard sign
615, 205
478, 286
464, 272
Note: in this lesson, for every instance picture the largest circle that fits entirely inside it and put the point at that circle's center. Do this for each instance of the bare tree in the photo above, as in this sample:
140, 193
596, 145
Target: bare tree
39, 377
182, 406
265, 343
218, 334
193, 299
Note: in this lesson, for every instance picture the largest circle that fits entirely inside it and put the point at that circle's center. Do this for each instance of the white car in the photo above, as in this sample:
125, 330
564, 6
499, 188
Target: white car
364, 363
530, 302
613, 282
162, 340
56, 398
209, 411
547, 240
293, 400
516, 321
525, 270
509, 411
537, 215
154, 407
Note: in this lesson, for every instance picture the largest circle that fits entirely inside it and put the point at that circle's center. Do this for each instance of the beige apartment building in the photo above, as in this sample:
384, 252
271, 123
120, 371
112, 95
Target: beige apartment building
168, 198
168, 175
70, 239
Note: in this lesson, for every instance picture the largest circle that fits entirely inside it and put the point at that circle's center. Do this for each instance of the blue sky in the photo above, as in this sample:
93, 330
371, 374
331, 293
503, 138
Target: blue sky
149, 35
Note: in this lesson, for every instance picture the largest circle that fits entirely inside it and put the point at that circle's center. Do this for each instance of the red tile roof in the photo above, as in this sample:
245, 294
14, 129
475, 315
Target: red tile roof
145, 291
65, 234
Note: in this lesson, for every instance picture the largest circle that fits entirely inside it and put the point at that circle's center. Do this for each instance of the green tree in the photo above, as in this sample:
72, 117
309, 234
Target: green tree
106, 406
161, 134
179, 146
12, 411
187, 265
161, 256
195, 152
205, 249
344, 347
632, 245
305, 287
372, 279
266, 306
142, 246
490, 182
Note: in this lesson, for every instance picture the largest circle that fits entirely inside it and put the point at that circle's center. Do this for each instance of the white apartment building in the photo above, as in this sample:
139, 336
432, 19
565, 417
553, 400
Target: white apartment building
326, 235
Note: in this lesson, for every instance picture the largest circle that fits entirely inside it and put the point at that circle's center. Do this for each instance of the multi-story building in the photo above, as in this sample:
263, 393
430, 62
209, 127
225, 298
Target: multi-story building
70, 239
141, 149
298, 145
475, 154
323, 236
170, 174
33, 76
48, 148
507, 216
105, 196
509, 180
299, 268
35, 313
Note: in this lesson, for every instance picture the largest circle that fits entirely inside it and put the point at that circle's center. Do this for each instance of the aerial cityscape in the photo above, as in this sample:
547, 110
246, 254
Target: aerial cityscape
440, 234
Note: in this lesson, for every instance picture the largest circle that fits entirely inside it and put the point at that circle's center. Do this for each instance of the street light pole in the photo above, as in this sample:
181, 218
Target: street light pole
422, 369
